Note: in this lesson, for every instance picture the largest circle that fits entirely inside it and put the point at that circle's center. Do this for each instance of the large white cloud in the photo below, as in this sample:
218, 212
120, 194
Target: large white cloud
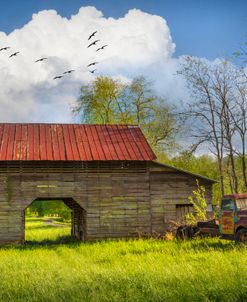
139, 43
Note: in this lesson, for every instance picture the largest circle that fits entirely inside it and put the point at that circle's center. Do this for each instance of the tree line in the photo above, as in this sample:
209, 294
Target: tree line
49, 208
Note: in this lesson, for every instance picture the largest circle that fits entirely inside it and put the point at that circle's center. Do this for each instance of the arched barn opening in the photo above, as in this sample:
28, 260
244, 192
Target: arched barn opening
54, 219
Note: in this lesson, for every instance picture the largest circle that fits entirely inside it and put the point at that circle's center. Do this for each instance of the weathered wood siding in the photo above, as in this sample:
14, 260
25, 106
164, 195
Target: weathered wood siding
108, 199
168, 188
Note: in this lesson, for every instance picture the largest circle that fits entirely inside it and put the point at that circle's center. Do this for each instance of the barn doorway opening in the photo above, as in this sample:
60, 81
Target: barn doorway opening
54, 220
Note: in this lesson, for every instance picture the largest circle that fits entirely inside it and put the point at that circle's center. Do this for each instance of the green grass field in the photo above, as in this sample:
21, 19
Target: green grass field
38, 231
134, 270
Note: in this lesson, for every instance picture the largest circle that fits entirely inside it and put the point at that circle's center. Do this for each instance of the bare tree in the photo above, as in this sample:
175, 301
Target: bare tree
205, 111
218, 114
240, 119
223, 78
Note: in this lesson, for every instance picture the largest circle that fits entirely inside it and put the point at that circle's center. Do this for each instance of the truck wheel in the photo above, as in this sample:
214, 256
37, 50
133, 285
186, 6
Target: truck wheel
180, 233
241, 236
184, 232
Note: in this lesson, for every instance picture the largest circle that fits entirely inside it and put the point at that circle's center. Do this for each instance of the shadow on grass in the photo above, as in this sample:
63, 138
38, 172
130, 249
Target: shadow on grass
48, 243
60, 240
209, 244
200, 245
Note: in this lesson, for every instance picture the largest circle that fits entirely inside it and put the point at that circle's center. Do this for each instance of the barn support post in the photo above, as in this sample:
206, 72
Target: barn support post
78, 219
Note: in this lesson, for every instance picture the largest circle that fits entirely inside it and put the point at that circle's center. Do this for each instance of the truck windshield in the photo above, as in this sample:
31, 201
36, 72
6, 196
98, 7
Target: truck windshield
241, 203
227, 205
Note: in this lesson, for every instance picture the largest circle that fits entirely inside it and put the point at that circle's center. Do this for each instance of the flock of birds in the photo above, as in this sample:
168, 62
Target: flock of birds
94, 43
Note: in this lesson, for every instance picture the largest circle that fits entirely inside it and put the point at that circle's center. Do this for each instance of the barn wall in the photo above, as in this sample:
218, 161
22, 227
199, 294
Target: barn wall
168, 188
117, 201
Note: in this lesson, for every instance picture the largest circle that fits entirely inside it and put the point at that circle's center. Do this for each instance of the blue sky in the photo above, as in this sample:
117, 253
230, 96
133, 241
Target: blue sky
202, 28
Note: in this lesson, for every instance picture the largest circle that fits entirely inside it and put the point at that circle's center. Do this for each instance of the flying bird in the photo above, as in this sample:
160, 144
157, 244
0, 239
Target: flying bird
40, 60
94, 43
92, 35
57, 77
14, 54
102, 47
69, 71
91, 64
4, 48
92, 71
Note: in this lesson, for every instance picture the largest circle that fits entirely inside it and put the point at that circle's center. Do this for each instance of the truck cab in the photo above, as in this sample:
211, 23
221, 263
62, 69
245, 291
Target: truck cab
233, 217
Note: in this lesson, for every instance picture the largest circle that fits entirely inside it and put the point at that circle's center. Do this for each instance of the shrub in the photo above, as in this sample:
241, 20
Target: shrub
199, 203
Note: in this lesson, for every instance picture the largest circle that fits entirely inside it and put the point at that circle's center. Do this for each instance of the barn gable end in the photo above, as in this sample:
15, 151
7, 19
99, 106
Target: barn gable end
169, 191
117, 191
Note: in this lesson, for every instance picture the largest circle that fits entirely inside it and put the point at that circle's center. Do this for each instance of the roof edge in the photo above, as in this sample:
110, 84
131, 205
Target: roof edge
69, 123
186, 172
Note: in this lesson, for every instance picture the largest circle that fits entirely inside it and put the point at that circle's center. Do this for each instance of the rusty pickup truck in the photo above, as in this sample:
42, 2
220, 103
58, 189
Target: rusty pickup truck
231, 223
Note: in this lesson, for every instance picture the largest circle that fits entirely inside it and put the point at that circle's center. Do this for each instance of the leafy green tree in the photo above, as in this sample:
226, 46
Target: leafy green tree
110, 101
98, 101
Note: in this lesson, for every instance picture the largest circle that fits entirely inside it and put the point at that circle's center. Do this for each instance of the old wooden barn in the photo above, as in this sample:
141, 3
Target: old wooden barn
106, 174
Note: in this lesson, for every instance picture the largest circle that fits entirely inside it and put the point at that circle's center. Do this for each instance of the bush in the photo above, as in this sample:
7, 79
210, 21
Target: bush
200, 205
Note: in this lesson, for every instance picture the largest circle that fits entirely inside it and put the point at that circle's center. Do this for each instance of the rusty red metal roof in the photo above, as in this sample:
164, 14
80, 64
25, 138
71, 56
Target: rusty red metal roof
73, 142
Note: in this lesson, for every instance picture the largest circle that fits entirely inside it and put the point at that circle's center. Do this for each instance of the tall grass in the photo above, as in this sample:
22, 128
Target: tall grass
133, 270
